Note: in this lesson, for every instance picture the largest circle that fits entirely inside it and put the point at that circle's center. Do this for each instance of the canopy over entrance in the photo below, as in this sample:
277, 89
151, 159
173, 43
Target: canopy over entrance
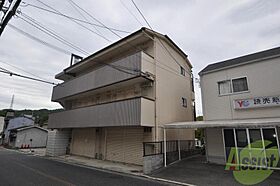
240, 123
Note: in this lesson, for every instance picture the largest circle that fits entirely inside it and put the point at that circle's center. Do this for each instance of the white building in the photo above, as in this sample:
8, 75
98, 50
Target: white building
28, 137
241, 104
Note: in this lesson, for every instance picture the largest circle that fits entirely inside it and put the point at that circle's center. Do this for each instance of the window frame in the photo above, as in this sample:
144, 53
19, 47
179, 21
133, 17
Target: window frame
182, 71
184, 100
236, 79
231, 86
249, 141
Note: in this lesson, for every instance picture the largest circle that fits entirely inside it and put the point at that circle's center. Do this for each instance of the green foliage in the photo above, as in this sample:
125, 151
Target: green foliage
199, 133
199, 118
41, 116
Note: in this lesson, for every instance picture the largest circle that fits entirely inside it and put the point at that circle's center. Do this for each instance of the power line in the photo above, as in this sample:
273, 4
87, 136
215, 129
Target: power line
55, 33
39, 40
81, 14
94, 18
131, 13
5, 71
51, 33
21, 69
141, 14
162, 45
70, 17
75, 21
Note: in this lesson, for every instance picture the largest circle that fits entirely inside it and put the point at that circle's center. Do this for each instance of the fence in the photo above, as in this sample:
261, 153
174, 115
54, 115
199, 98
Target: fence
175, 150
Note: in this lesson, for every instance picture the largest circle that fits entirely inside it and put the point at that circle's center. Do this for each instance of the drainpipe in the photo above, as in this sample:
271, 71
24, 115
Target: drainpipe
164, 143
179, 149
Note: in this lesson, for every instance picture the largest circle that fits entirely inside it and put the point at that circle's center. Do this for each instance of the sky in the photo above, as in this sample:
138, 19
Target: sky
207, 31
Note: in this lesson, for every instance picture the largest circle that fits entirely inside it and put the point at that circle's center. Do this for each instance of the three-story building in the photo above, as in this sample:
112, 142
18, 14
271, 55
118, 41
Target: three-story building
119, 97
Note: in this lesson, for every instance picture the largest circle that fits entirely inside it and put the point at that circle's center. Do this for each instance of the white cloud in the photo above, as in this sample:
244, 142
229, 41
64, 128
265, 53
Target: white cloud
208, 31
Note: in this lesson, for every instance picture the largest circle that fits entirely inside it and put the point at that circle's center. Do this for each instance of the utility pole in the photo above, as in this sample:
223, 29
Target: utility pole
9, 12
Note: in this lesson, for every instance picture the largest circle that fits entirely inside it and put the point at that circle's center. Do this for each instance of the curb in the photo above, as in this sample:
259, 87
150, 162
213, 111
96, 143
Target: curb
139, 175
168, 181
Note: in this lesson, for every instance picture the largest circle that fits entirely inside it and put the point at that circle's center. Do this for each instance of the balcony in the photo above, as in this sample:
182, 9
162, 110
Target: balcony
106, 76
130, 112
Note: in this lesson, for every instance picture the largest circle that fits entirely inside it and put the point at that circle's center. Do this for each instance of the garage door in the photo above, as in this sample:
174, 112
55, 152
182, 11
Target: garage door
125, 145
83, 142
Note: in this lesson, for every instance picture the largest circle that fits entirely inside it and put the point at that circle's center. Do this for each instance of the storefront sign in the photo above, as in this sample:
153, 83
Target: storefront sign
266, 101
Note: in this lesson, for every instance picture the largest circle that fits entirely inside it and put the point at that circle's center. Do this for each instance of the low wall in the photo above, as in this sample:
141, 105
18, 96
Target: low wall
152, 163
58, 142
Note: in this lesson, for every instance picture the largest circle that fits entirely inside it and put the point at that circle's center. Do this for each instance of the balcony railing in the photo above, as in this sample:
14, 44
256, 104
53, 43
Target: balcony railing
130, 112
105, 76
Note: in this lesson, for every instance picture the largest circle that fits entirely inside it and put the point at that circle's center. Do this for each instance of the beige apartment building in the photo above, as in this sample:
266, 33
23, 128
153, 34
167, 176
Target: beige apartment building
119, 97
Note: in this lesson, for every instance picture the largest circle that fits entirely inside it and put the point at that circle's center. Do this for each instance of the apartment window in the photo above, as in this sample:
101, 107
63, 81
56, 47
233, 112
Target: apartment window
240, 84
183, 71
148, 129
233, 86
224, 87
184, 102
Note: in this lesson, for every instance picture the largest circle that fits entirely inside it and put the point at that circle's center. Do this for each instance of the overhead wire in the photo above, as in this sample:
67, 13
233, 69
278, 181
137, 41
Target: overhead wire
70, 17
39, 40
1, 61
51, 33
137, 48
5, 71
162, 45
81, 14
100, 35
131, 13
171, 70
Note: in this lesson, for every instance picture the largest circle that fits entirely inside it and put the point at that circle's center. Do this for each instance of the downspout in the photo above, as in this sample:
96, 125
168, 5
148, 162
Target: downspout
155, 86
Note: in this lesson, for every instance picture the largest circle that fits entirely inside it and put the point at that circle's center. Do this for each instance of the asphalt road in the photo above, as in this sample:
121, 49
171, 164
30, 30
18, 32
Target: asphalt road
21, 169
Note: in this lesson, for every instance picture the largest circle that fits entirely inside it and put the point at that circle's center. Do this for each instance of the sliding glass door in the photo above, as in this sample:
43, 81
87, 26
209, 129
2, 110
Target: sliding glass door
251, 148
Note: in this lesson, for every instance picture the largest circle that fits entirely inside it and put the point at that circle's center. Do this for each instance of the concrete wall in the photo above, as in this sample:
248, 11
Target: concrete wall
263, 80
58, 142
214, 145
152, 163
39, 138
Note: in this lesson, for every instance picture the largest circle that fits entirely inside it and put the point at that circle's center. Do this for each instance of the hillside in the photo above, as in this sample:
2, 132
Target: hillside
40, 115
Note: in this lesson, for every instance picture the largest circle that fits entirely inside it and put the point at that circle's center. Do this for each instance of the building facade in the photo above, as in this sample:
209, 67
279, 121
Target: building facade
241, 103
120, 96
28, 137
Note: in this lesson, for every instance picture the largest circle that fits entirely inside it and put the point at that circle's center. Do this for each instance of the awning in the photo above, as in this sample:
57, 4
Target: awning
241, 123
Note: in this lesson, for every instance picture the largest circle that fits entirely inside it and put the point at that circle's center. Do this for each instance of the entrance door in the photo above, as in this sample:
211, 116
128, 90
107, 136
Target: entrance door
257, 145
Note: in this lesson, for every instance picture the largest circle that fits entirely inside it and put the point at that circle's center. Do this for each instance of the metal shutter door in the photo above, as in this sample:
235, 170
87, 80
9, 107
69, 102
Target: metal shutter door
125, 145
133, 145
83, 142
114, 151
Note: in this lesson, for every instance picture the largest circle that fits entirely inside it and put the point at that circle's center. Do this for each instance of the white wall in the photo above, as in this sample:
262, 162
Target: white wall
263, 80
214, 145
39, 138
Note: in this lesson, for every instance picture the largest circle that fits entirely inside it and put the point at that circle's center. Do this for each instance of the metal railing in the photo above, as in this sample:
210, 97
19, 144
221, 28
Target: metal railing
152, 148
155, 148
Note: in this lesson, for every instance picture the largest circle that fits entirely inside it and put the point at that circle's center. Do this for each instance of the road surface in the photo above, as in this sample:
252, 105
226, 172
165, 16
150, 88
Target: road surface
21, 169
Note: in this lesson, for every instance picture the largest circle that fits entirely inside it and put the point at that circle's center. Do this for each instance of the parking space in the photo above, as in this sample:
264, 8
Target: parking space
197, 171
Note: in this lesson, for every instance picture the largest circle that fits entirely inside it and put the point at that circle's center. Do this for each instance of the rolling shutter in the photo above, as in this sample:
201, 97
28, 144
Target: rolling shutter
125, 145
83, 142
